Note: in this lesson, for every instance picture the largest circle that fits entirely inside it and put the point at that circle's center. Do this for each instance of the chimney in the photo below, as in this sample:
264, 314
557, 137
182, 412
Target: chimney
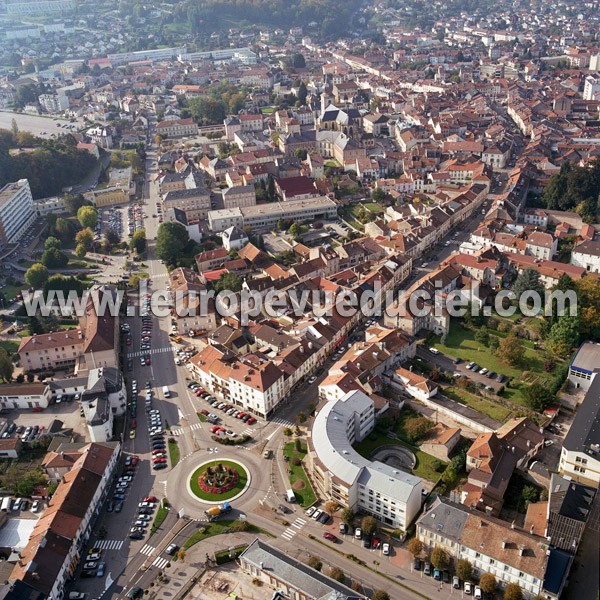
521, 550
512, 525
531, 529
504, 544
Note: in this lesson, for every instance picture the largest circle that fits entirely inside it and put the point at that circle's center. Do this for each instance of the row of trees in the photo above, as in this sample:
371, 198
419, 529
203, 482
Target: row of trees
464, 570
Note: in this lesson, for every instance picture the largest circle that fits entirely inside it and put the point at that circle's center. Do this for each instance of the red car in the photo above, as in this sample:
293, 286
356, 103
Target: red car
150, 499
330, 537
135, 460
214, 429
37, 409
157, 452
133, 424
159, 459
198, 393
251, 421
204, 412
242, 414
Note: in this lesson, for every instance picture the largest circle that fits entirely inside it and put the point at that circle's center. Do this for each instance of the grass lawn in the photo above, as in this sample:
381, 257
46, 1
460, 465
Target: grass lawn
10, 347
373, 207
267, 110
216, 528
487, 407
305, 495
173, 452
225, 555
243, 478
425, 467
461, 343
11, 291
161, 515
201, 417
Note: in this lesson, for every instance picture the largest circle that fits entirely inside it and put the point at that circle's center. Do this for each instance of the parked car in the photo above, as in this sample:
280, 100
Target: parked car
456, 582
477, 593
427, 568
385, 549
358, 533
330, 537
310, 511
417, 564
468, 588
171, 549
317, 514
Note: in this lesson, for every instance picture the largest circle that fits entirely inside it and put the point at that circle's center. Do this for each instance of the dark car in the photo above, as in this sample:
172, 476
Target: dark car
417, 565
324, 518
284, 509
119, 506
159, 466
446, 576
457, 361
366, 542
87, 573
136, 535
110, 507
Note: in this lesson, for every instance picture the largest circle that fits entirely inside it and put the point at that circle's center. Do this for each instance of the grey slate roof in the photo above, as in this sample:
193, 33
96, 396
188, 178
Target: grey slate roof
584, 435
446, 517
286, 569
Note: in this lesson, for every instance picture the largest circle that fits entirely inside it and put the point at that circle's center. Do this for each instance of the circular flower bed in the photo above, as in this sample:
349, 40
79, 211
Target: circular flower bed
218, 479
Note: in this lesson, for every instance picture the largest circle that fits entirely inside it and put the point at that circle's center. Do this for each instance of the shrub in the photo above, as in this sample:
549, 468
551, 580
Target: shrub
296, 461
314, 563
415, 546
337, 574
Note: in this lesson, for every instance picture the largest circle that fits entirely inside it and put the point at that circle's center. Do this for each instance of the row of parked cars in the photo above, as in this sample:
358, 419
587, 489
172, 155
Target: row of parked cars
473, 366
444, 575
223, 406
123, 482
142, 519
135, 215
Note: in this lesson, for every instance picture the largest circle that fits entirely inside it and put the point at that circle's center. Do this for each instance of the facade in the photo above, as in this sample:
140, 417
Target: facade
56, 544
587, 255
509, 553
194, 202
24, 396
241, 196
16, 211
584, 365
265, 216
177, 128
340, 473
580, 453
53, 103
291, 577
47, 351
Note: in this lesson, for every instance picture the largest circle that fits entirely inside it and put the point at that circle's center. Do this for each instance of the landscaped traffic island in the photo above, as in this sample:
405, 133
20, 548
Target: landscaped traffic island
218, 480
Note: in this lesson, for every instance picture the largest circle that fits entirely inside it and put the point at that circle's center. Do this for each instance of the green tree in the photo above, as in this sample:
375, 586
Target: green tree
171, 240
111, 237
378, 195
85, 237
348, 516
564, 335
229, 282
138, 241
80, 251
464, 569
301, 418
416, 427
380, 595
482, 335
488, 583
302, 94
439, 558
337, 574
52, 242
368, 525
415, 546
513, 592
528, 279
538, 397
6, 366
73, 202
87, 216
36, 276
296, 230
63, 284
298, 61
62, 228
510, 349
54, 259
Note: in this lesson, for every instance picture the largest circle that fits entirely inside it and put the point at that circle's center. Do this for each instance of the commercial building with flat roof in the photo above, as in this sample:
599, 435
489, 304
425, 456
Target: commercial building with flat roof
264, 217
16, 211
584, 364
342, 474
580, 452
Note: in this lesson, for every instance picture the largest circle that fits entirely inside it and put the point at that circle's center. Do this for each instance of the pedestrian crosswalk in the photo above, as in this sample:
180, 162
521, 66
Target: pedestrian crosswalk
281, 421
109, 544
289, 533
299, 523
151, 351
148, 550
248, 431
179, 430
160, 563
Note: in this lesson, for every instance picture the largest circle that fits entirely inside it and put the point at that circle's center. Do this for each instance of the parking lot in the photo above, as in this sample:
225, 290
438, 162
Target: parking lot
67, 412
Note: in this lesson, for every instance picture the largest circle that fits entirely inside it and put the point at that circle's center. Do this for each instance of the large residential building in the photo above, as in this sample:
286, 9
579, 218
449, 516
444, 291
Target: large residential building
248, 382
342, 474
58, 350
194, 202
177, 128
16, 211
239, 196
265, 216
289, 577
56, 545
580, 452
506, 551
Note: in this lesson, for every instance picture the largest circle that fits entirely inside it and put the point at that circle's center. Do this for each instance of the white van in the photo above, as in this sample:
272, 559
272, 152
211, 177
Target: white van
290, 496
166, 392
6, 502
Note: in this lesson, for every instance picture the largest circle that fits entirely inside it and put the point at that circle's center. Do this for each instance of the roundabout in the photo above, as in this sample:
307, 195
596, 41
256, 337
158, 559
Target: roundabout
216, 481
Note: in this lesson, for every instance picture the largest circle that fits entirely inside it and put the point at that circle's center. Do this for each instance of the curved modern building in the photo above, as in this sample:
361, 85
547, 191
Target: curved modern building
342, 474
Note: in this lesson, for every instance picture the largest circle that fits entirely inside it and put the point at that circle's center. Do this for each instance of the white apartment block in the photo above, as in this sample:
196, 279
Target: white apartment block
342, 474
53, 103
591, 87
16, 211
587, 255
